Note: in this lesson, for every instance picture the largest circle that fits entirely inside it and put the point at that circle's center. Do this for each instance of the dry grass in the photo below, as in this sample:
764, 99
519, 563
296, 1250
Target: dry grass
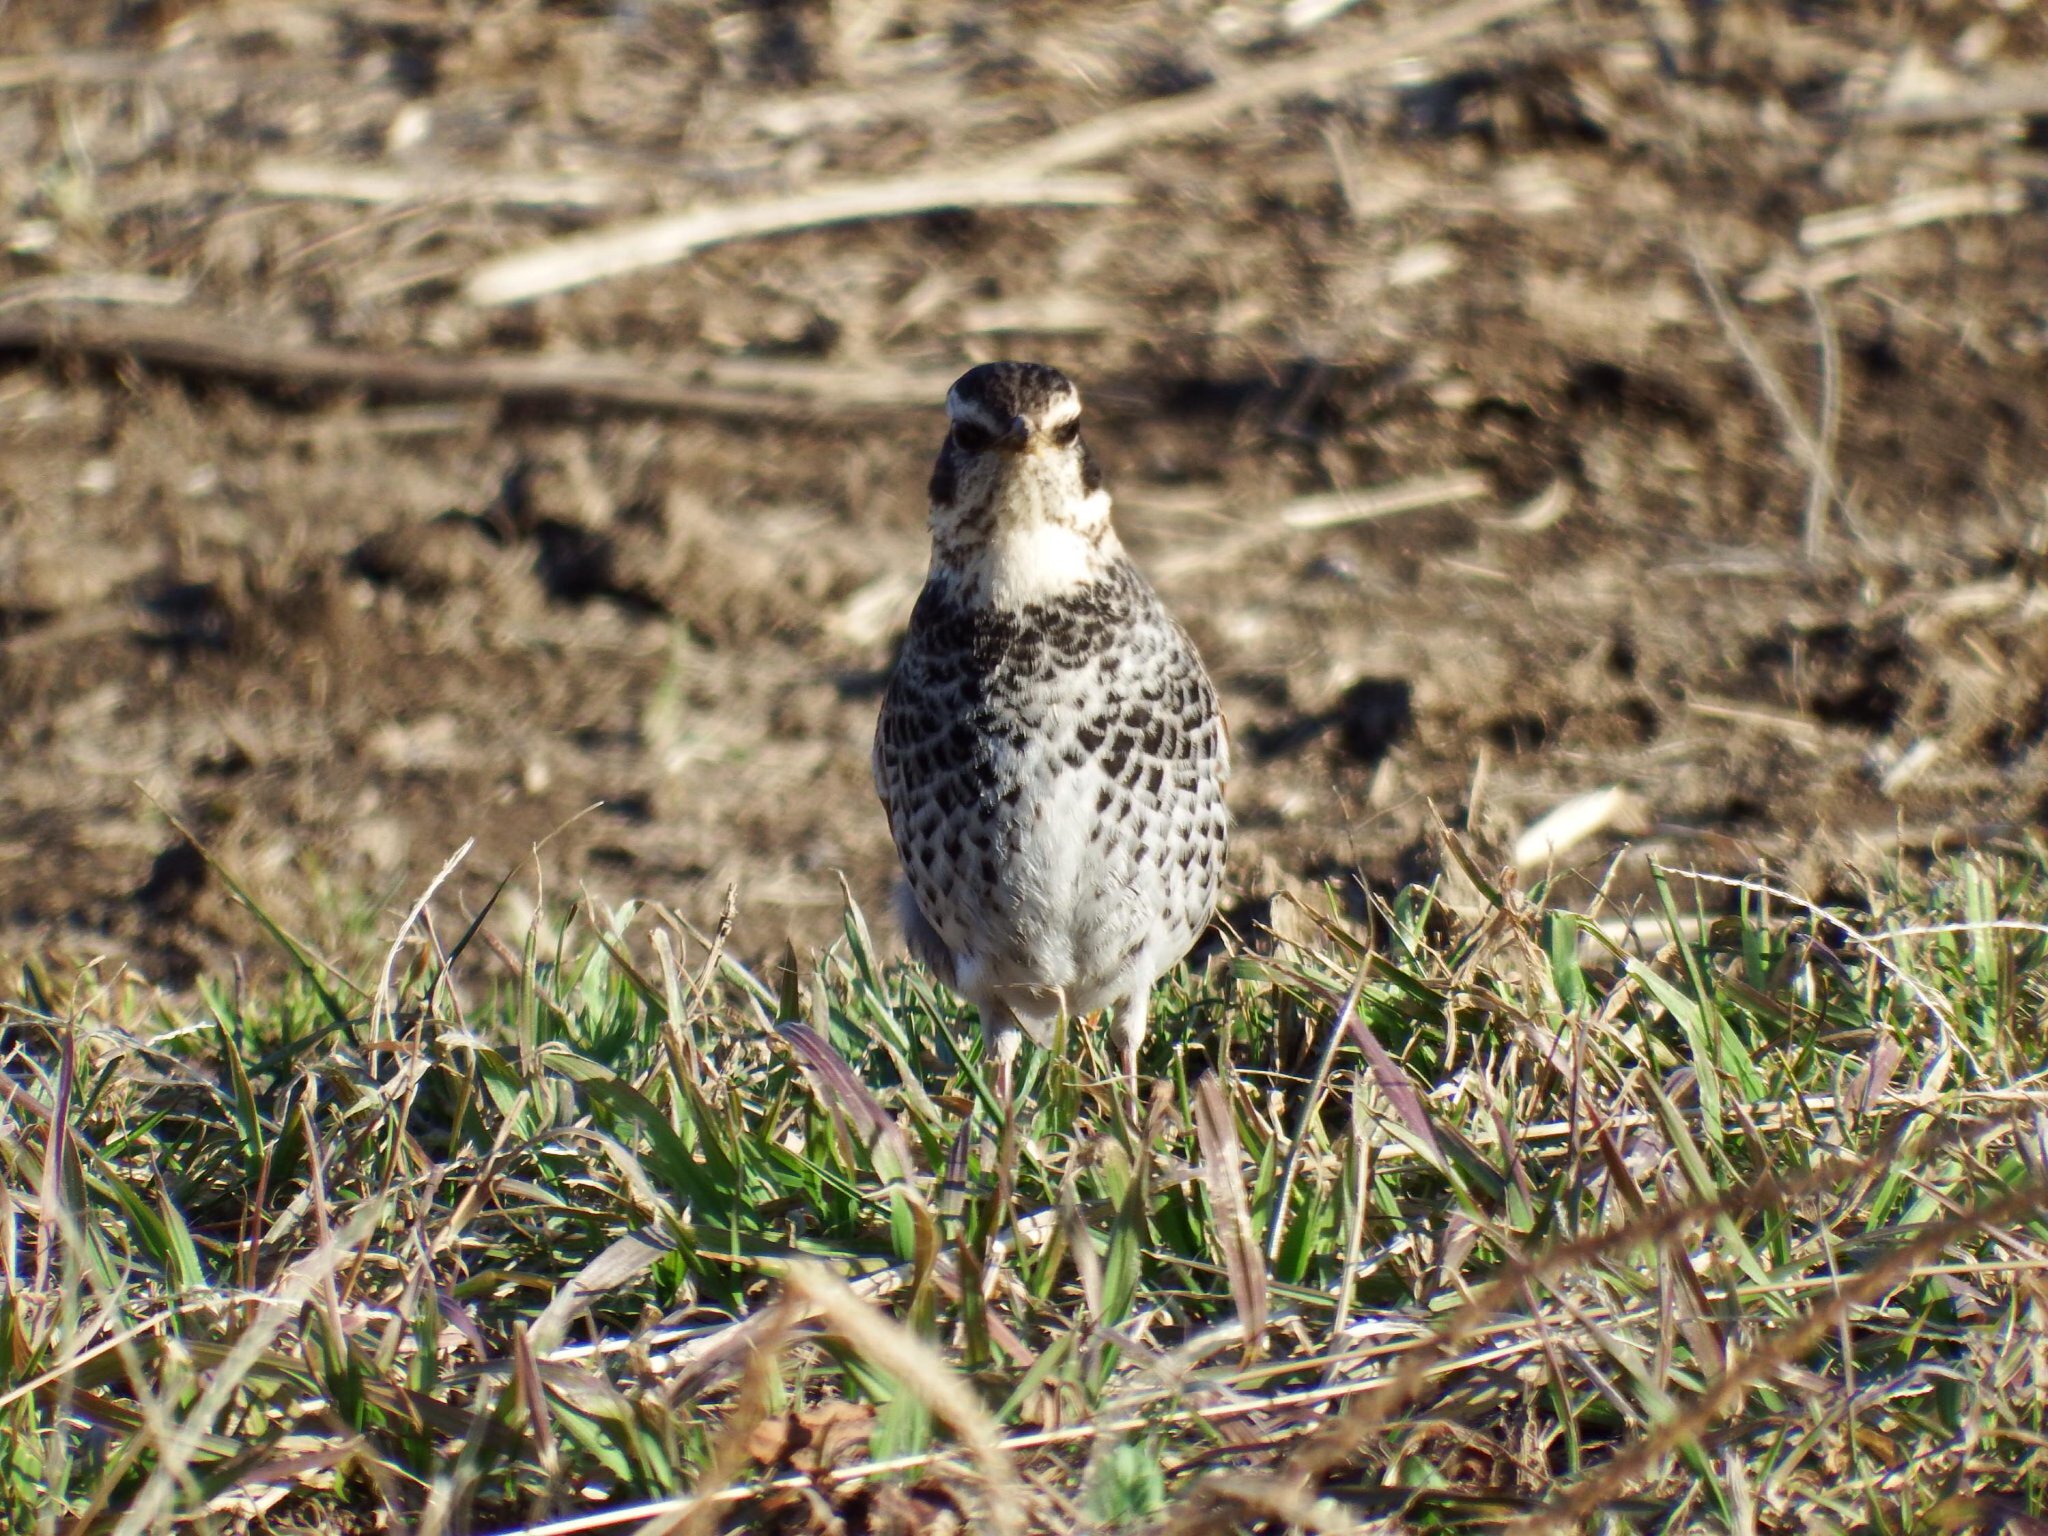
1744, 1234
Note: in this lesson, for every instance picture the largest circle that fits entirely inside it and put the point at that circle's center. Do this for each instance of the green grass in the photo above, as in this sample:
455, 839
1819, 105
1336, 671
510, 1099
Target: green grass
1490, 1219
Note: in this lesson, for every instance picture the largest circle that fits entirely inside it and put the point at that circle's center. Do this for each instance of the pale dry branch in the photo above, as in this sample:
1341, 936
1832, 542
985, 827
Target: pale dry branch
1788, 274
874, 383
1063, 312
655, 242
1800, 731
802, 113
388, 184
95, 288
1542, 511
1419, 494
1912, 210
113, 66
1829, 428
383, 1002
1810, 445
1846, 244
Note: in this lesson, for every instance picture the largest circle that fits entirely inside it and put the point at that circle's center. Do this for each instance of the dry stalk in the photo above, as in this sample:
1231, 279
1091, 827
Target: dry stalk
922, 1372
694, 1515
622, 248
1911, 210
383, 1001
1343, 508
1223, 1171
1419, 493
1814, 451
221, 347
384, 184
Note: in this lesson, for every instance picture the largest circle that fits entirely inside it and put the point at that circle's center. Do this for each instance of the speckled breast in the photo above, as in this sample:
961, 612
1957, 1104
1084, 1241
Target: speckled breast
1054, 782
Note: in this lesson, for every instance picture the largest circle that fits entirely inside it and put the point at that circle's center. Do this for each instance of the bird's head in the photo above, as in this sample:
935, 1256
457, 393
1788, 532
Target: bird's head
1014, 408
1014, 481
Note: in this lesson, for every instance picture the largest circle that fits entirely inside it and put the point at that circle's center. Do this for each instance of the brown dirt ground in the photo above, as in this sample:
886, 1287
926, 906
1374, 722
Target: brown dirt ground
337, 632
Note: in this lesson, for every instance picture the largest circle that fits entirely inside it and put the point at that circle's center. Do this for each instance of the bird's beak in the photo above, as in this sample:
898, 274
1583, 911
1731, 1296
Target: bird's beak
1017, 437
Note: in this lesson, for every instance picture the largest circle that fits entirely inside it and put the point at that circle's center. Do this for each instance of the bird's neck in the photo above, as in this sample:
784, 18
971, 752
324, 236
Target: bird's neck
1016, 562
1029, 562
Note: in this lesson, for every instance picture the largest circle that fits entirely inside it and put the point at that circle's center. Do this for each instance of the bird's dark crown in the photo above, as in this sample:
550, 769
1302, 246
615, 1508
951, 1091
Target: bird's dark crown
1002, 397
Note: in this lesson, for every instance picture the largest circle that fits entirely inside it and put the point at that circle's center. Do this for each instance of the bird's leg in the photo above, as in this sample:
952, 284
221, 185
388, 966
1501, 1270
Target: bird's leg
1005, 1039
1128, 1027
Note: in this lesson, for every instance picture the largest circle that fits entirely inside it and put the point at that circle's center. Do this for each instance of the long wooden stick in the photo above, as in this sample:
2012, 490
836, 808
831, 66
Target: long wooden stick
223, 348
579, 259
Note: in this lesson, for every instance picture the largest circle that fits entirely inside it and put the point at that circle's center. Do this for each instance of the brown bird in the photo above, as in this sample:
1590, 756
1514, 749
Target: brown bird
1050, 750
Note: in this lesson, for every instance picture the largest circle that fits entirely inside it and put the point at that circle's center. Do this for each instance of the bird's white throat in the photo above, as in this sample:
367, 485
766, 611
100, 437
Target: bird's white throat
1028, 560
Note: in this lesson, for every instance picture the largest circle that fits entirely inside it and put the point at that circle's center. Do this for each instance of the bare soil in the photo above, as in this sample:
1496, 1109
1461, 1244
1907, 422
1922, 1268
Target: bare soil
336, 631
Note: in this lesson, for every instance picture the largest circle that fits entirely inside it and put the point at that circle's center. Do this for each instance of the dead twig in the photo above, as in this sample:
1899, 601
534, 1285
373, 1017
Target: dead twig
655, 242
1565, 826
219, 347
1799, 731
386, 184
95, 288
1418, 494
1341, 509
1814, 450
1844, 243
1911, 210
1828, 431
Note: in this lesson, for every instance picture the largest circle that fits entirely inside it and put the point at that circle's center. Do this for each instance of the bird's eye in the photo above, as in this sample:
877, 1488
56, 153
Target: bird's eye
970, 438
1067, 431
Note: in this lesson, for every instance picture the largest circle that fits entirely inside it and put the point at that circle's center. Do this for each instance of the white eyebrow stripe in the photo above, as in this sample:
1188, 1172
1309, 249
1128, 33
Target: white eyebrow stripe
1063, 410
958, 409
